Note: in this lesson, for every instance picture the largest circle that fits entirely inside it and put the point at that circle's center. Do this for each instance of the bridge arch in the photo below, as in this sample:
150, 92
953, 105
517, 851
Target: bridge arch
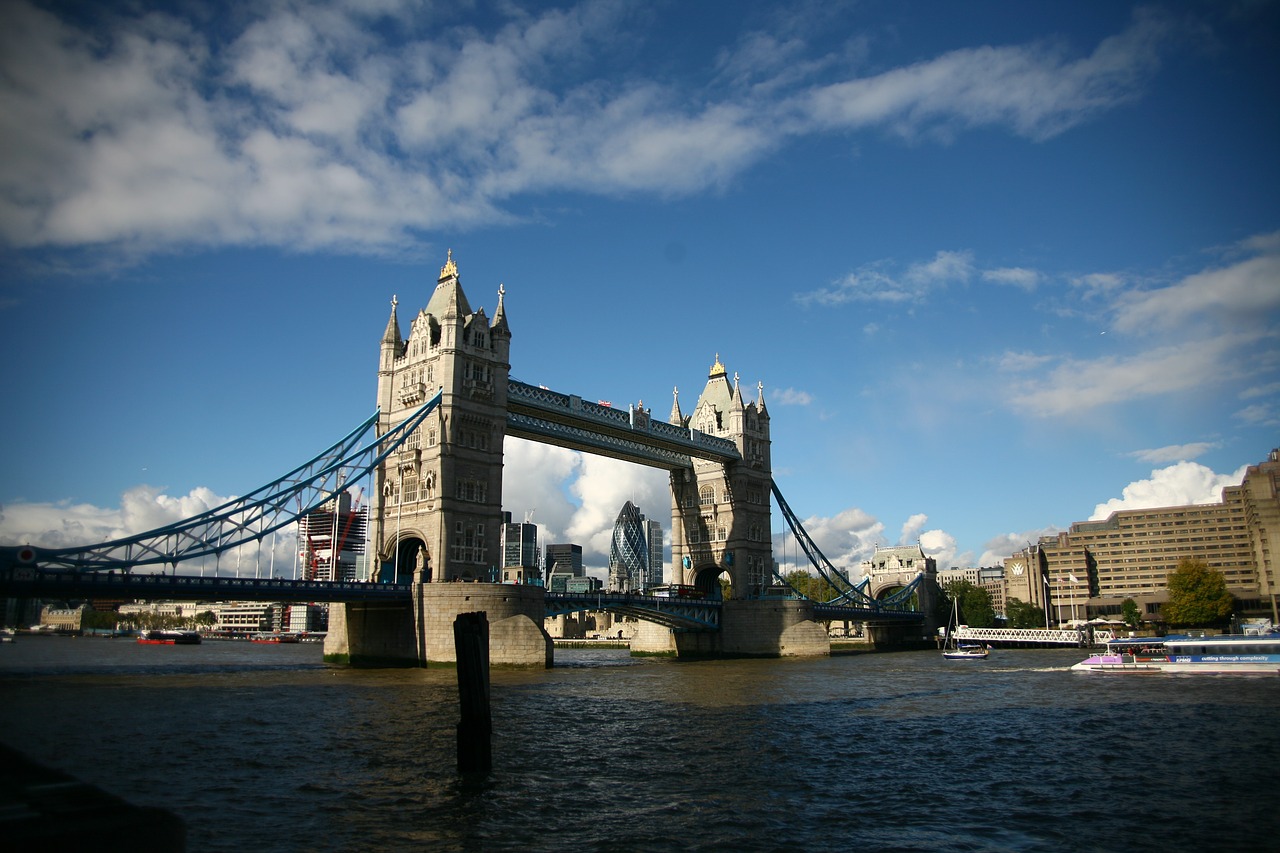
408, 556
706, 579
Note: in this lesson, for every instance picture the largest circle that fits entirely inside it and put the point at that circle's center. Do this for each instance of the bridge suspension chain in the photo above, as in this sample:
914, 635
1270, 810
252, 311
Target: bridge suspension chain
847, 592
240, 520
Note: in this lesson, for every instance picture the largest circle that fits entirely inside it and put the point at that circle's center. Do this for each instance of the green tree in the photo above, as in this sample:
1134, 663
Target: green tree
810, 586
975, 604
1130, 613
1021, 614
1197, 595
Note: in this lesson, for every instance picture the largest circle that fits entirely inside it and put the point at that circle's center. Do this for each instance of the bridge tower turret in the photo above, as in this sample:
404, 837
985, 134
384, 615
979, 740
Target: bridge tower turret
437, 500
720, 513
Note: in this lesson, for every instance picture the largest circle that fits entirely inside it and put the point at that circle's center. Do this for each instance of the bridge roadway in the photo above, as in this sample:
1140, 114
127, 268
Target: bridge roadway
67, 585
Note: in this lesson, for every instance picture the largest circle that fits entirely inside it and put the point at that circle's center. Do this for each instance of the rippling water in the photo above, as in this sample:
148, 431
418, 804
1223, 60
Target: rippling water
265, 748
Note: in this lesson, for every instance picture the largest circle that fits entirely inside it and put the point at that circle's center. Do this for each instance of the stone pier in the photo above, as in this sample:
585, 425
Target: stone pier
422, 634
747, 629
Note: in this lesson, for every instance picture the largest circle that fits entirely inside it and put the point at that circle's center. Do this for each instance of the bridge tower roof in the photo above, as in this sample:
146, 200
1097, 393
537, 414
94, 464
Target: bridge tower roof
448, 300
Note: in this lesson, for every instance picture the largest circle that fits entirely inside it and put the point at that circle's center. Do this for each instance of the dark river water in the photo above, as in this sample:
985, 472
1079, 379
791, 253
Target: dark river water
265, 748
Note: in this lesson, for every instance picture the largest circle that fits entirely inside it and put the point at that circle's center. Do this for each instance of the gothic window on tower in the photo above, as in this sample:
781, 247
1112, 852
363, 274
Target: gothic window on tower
707, 496
410, 489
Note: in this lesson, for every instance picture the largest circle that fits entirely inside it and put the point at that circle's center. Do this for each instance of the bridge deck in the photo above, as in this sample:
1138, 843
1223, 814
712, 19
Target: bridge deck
31, 583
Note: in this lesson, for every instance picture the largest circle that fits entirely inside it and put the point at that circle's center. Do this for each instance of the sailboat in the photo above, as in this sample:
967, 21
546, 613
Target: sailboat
952, 649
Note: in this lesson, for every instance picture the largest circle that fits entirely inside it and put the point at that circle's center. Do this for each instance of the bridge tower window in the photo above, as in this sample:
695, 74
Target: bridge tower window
707, 496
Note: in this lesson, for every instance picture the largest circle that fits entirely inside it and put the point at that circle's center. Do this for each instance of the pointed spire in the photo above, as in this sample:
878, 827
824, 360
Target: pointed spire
392, 334
760, 390
448, 300
500, 315
676, 417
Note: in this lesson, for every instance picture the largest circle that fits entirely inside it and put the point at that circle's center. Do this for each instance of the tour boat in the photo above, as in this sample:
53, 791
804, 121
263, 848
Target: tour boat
169, 638
1247, 654
954, 650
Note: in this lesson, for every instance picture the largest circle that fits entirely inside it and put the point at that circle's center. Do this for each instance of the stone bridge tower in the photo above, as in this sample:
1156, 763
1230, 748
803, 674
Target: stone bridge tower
720, 513
437, 502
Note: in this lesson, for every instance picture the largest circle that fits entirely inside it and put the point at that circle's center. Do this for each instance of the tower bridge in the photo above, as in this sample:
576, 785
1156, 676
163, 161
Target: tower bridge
446, 403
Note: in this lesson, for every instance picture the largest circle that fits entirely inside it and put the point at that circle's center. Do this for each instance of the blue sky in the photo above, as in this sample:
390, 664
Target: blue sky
999, 267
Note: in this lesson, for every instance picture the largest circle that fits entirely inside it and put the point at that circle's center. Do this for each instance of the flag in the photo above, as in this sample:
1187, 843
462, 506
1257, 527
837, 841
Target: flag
1074, 579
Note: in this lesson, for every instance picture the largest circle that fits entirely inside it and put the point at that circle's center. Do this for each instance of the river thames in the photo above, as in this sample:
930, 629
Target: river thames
266, 748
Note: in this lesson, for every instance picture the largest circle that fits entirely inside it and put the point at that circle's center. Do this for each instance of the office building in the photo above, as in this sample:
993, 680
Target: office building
520, 563
1088, 571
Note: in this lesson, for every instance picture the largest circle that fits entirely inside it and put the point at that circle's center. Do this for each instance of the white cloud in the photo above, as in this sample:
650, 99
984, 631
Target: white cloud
792, 397
142, 509
1078, 386
340, 125
1244, 293
941, 546
1007, 544
1034, 90
1258, 415
1176, 485
875, 282
1019, 277
1208, 328
1175, 452
1019, 362
845, 539
911, 528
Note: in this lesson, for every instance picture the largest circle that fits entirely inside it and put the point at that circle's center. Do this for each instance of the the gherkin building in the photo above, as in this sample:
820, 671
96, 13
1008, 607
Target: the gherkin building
629, 551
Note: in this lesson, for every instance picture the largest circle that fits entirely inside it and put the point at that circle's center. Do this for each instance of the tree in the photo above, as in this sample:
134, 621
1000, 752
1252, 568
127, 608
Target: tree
810, 586
1022, 614
1130, 613
975, 604
1197, 595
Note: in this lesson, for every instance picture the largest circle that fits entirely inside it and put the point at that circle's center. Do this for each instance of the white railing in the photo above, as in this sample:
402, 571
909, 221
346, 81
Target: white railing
1022, 635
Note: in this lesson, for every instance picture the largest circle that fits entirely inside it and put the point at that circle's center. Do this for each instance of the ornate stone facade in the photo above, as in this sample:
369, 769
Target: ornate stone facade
437, 501
720, 514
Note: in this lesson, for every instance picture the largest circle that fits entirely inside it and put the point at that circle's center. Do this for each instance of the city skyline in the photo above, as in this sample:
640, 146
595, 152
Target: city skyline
993, 273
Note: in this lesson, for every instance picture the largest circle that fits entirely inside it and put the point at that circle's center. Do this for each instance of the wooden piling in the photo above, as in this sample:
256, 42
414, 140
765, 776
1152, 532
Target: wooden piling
475, 725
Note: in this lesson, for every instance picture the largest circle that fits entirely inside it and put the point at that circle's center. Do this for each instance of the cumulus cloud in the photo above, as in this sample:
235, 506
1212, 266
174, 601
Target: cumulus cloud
911, 528
142, 509
846, 539
1176, 485
1004, 545
575, 497
358, 126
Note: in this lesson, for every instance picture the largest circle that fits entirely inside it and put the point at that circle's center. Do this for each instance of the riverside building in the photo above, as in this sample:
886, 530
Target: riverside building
1088, 571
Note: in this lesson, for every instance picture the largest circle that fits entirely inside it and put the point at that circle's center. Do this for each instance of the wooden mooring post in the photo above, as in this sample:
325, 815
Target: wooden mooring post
475, 725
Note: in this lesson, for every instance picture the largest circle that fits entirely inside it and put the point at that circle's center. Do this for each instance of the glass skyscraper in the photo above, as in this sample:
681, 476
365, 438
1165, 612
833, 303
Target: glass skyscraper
632, 564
